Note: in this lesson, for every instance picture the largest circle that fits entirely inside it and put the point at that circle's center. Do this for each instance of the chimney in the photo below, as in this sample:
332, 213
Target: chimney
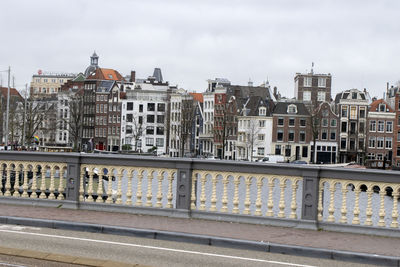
133, 76
275, 91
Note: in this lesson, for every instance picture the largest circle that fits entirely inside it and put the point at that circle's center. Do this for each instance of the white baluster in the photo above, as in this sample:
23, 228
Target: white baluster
100, 189
282, 185
90, 188
356, 212
321, 188
247, 197
170, 195
139, 188
395, 213
343, 219
270, 204
193, 193
382, 213
109, 186
293, 206
120, 174
368, 213
203, 191
61, 183
43, 182
236, 183
26, 182
159, 188
129, 174
52, 186
7, 191
331, 208
259, 200
149, 194
81, 182
34, 181
214, 181
225, 182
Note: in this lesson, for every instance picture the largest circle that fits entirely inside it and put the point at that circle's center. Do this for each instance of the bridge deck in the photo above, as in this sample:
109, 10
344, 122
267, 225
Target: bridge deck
280, 235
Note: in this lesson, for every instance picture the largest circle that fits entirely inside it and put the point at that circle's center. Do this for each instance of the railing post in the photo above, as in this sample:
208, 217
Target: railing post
73, 179
183, 185
309, 203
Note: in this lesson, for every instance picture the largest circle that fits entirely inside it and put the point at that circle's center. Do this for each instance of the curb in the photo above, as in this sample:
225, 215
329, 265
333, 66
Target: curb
339, 255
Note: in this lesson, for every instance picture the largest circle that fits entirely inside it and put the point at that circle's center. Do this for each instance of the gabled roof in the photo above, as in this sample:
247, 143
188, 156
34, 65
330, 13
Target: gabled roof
375, 106
13, 92
106, 74
105, 86
197, 97
79, 78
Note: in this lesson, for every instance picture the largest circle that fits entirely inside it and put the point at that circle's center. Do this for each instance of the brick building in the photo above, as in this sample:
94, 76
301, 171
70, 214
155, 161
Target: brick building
313, 89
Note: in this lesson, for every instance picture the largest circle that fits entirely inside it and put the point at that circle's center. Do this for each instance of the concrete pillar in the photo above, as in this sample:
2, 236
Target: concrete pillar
184, 185
310, 195
73, 179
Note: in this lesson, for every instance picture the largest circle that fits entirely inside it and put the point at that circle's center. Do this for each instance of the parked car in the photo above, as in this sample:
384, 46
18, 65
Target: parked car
299, 162
272, 159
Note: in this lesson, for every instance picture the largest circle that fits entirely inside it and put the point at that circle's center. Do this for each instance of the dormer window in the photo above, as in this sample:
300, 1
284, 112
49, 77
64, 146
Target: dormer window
382, 107
292, 109
262, 111
110, 76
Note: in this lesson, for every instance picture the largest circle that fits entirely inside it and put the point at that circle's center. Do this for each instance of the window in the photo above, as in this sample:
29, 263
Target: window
353, 113
354, 95
362, 112
361, 143
389, 126
361, 127
260, 151
280, 135
150, 130
321, 82
333, 122
352, 144
149, 141
388, 143
344, 111
160, 131
161, 107
129, 106
151, 106
302, 136
140, 108
343, 143
159, 142
371, 156
321, 96
262, 111
324, 122
344, 126
302, 122
372, 126
278, 149
291, 136
307, 81
291, 122
307, 96
288, 150
304, 152
261, 137
262, 123
280, 121
380, 142
353, 127
150, 118
381, 126
324, 134
292, 109
333, 135
160, 118
371, 142
382, 107
140, 119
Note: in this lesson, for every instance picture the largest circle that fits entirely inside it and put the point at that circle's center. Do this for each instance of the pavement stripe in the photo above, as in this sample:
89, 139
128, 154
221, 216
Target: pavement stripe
157, 248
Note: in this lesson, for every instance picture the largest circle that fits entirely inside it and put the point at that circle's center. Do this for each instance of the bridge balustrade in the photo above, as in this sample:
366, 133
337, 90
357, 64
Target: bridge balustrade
315, 197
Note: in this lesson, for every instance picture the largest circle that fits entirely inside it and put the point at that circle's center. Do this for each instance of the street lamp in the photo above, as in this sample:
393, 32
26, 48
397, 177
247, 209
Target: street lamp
8, 106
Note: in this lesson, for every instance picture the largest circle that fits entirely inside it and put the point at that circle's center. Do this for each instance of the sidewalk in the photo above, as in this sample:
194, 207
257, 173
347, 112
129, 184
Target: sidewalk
354, 243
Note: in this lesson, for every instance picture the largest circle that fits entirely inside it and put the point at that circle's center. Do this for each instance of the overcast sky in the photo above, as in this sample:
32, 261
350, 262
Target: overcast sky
358, 42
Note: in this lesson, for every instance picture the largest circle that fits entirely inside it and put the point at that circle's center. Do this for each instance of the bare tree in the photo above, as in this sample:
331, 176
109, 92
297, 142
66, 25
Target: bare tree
74, 121
137, 131
187, 123
315, 126
252, 136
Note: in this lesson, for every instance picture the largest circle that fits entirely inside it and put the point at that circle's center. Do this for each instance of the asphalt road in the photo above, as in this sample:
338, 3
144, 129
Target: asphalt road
144, 251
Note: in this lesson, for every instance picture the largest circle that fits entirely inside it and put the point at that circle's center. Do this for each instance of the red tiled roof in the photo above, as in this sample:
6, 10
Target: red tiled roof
374, 105
197, 97
13, 92
106, 74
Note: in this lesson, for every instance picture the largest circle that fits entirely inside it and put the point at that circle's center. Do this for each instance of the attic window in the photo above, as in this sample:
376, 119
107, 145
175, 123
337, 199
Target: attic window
110, 76
382, 107
292, 109
262, 111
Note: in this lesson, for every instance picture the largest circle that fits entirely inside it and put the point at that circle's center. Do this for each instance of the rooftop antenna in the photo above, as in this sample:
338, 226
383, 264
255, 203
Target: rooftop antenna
312, 67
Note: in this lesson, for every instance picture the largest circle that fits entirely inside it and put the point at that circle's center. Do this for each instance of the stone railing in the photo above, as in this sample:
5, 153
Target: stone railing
315, 197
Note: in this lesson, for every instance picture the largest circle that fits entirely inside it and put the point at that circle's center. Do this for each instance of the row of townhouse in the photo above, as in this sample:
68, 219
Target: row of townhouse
226, 121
